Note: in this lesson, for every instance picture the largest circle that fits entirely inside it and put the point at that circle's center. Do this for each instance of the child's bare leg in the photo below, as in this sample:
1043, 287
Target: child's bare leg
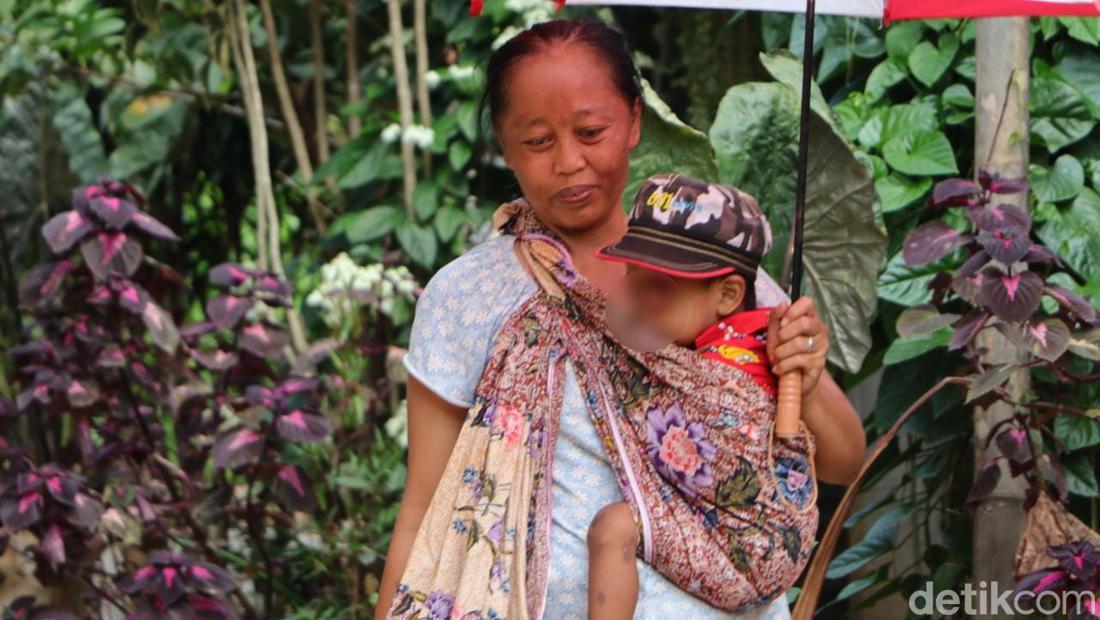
612, 573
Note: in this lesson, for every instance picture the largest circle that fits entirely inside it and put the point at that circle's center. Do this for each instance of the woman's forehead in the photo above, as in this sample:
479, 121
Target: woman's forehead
561, 82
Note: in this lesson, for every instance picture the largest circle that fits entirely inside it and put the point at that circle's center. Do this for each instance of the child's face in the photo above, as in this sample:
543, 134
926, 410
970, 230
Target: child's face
681, 308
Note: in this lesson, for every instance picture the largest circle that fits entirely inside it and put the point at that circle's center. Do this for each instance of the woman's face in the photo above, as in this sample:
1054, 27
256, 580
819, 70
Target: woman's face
567, 132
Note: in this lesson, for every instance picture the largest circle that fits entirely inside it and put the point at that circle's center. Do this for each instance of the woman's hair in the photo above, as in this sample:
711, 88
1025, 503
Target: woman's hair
602, 39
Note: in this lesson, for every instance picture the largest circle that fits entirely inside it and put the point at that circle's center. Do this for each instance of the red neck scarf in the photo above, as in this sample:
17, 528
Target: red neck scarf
740, 340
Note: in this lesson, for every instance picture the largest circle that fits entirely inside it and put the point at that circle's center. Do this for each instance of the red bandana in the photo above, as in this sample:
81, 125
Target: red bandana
740, 340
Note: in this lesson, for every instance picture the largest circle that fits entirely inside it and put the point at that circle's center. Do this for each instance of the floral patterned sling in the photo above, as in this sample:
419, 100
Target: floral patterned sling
730, 519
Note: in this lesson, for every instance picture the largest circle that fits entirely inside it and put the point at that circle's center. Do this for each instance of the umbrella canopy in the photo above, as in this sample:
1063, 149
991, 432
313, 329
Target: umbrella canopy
887, 10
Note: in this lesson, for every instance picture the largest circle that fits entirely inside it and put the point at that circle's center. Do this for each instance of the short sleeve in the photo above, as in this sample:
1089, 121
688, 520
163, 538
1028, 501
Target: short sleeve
768, 291
458, 316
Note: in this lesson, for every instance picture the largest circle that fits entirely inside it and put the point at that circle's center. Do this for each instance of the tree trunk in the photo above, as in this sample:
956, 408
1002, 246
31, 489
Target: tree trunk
317, 36
420, 31
1001, 146
267, 230
290, 115
404, 101
355, 123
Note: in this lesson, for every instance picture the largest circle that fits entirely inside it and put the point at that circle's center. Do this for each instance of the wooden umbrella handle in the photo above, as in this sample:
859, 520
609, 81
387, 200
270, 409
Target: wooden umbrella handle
788, 408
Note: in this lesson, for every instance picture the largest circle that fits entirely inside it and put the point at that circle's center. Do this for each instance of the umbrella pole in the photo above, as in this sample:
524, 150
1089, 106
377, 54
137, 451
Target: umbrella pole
803, 153
788, 411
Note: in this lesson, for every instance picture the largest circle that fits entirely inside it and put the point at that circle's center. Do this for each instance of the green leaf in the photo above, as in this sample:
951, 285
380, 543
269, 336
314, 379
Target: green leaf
859, 585
787, 70
958, 96
78, 134
1074, 234
145, 132
1080, 477
1086, 344
904, 349
467, 120
902, 38
756, 130
921, 320
1078, 69
885, 75
1076, 432
1062, 182
897, 191
667, 144
367, 169
446, 222
419, 243
878, 540
1048, 26
371, 224
1084, 29
899, 120
459, 155
993, 378
929, 62
425, 200
339, 163
1059, 116
923, 153
904, 285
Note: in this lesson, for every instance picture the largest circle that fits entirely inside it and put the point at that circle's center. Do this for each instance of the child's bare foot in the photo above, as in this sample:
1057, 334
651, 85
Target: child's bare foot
612, 573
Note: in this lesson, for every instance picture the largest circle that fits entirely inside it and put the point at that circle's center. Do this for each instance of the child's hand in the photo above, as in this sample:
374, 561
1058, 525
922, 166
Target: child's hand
798, 341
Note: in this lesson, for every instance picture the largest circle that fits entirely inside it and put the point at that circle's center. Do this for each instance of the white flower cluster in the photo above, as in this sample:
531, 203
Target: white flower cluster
342, 275
417, 135
457, 73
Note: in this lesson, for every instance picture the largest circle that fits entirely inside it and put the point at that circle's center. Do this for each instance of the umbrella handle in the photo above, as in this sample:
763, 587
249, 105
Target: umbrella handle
788, 408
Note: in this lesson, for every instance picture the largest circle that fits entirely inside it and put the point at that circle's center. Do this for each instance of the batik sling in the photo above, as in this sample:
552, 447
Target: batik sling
726, 511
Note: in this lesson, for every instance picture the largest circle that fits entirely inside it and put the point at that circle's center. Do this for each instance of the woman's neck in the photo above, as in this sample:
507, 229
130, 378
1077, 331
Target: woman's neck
584, 244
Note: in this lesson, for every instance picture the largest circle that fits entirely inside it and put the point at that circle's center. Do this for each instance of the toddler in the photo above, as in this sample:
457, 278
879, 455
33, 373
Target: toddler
692, 251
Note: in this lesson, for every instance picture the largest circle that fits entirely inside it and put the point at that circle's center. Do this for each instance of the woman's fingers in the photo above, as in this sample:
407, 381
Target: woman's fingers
800, 346
775, 317
803, 306
803, 327
809, 364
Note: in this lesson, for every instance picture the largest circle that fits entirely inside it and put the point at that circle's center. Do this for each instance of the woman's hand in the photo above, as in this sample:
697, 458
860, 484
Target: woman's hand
798, 340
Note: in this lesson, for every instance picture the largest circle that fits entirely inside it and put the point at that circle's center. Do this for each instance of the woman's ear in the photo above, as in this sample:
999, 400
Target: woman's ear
731, 294
636, 122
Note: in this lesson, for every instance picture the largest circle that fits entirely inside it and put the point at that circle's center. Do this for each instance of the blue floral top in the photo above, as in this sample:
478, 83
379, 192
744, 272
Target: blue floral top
457, 320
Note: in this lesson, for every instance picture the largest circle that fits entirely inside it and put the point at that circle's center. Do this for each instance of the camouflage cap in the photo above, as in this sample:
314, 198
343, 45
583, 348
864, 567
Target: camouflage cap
687, 228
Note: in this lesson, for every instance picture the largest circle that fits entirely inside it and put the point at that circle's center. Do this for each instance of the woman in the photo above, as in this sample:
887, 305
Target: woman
565, 104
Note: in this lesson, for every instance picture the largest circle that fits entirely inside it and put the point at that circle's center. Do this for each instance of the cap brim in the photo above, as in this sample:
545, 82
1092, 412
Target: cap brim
673, 260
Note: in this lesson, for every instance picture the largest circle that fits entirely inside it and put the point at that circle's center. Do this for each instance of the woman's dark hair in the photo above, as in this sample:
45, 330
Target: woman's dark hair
607, 42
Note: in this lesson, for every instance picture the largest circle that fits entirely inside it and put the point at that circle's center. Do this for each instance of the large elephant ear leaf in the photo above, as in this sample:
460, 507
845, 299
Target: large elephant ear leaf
667, 145
755, 138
